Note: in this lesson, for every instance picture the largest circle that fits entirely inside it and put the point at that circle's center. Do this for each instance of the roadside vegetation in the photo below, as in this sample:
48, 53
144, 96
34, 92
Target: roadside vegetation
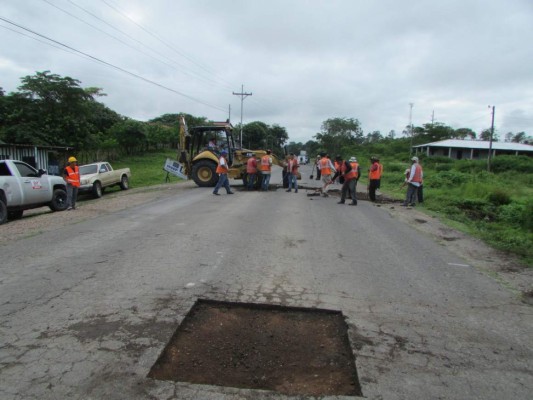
50, 110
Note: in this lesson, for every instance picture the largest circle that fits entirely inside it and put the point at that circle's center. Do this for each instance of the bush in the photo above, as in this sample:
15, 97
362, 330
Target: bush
513, 214
523, 164
446, 179
443, 167
499, 198
475, 208
471, 166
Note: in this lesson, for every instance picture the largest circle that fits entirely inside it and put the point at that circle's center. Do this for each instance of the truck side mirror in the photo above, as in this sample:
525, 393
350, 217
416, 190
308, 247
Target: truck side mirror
41, 172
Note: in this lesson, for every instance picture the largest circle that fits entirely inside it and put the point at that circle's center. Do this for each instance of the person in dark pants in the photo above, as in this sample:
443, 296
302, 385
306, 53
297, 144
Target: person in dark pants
374, 177
222, 171
71, 174
317, 166
348, 174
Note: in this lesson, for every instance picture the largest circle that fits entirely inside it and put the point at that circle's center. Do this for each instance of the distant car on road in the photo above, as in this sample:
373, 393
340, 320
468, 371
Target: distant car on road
98, 176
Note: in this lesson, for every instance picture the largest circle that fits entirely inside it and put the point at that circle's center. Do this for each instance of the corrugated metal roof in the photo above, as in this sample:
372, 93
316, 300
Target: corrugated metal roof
478, 144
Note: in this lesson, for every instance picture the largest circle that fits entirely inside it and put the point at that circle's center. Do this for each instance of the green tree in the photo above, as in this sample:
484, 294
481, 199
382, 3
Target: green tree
485, 135
255, 135
463, 133
373, 137
130, 135
52, 110
279, 136
339, 132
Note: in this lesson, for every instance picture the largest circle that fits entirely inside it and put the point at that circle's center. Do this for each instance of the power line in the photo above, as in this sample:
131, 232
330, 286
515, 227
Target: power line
185, 69
178, 51
114, 66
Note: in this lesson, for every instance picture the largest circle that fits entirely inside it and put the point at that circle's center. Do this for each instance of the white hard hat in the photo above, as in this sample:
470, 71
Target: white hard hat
353, 159
414, 159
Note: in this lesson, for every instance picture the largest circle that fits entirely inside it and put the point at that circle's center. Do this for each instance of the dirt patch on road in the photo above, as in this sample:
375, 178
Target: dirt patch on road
260, 347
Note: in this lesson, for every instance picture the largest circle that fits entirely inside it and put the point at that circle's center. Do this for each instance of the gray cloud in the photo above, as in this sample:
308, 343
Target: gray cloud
304, 61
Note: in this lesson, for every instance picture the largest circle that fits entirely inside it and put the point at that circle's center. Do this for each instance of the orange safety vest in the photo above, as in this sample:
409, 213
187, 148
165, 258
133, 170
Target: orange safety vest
222, 169
325, 168
251, 166
292, 166
374, 175
418, 174
353, 172
73, 176
265, 163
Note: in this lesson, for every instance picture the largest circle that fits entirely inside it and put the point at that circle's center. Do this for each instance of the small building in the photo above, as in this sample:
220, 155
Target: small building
472, 149
46, 157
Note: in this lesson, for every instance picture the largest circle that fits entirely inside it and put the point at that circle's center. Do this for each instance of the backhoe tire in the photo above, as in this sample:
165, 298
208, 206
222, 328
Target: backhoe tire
203, 173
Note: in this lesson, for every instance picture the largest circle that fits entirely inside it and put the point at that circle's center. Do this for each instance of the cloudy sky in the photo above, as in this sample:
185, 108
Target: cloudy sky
304, 61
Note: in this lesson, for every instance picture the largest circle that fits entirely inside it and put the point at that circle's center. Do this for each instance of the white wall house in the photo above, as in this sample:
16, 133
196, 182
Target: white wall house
471, 149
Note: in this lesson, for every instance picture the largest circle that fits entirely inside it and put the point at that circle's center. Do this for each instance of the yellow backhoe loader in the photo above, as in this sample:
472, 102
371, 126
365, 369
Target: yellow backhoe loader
199, 150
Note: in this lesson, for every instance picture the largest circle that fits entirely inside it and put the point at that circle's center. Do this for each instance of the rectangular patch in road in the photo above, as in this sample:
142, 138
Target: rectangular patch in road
293, 351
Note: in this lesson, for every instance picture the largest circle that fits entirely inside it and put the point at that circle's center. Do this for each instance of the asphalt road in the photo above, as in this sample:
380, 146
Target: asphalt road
86, 310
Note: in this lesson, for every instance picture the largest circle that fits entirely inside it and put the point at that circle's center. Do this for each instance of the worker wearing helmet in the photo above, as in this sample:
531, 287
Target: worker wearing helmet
414, 181
222, 171
71, 175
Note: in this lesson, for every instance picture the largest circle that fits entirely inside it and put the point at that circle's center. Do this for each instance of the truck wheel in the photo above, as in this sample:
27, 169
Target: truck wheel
97, 190
203, 173
11, 215
124, 183
3, 212
59, 200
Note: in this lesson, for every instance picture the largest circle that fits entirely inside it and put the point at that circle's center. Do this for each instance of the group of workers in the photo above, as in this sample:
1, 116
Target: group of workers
254, 170
347, 172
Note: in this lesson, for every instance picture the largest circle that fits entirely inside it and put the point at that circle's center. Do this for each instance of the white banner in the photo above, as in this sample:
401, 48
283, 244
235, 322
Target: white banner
175, 168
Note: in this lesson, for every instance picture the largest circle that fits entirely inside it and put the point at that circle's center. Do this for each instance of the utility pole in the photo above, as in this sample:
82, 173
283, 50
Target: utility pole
411, 126
243, 96
491, 136
229, 112
432, 118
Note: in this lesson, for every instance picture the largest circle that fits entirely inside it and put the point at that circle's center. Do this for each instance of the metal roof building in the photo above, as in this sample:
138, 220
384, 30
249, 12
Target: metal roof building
472, 149
45, 157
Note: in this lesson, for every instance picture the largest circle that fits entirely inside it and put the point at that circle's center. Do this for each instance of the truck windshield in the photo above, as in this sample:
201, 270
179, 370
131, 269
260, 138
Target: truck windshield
88, 169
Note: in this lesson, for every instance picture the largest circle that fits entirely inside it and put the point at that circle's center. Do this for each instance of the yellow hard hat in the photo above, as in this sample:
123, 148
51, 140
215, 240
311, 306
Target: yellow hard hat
72, 159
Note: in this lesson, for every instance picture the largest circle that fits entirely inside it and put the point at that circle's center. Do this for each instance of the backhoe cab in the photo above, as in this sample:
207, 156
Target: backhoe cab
199, 151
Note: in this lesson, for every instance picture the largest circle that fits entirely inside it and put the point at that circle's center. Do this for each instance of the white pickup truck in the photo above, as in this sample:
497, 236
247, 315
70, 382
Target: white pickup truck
97, 176
22, 187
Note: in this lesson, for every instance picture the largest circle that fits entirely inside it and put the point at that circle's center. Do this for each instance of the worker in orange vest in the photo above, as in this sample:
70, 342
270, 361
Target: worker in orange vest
380, 165
71, 175
266, 168
326, 170
416, 175
348, 174
251, 172
222, 171
374, 176
292, 171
